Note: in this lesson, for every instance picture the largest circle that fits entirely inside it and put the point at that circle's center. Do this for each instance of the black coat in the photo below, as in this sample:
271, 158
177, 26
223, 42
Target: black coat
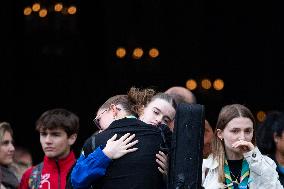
136, 170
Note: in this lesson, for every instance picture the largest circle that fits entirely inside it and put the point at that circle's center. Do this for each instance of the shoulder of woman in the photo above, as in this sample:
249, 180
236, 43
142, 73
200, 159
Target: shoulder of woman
210, 162
269, 161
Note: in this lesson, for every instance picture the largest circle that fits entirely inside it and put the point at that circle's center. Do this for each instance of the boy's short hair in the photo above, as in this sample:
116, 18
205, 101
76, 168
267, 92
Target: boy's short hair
58, 118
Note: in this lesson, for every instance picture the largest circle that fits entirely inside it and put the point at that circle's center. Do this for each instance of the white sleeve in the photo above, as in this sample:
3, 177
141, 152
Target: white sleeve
263, 172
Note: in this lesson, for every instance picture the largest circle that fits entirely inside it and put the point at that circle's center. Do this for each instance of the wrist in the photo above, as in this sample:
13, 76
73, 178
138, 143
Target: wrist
108, 153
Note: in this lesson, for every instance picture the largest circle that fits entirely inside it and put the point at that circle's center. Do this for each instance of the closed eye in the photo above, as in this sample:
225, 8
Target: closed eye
156, 112
167, 121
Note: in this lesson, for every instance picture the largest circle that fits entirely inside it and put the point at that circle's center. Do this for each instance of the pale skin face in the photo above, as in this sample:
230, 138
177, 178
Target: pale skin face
55, 143
6, 149
237, 137
158, 112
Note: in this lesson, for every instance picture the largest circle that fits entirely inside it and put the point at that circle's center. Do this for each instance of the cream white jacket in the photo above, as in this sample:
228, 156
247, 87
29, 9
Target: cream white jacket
263, 174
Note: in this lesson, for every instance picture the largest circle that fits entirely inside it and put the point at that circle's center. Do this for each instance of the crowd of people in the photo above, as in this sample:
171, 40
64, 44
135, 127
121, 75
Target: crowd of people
131, 148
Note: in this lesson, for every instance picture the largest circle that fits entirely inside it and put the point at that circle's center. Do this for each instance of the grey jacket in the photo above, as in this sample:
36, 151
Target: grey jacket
263, 174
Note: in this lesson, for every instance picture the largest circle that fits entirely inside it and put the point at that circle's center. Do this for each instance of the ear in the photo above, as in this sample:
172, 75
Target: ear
72, 139
219, 134
113, 109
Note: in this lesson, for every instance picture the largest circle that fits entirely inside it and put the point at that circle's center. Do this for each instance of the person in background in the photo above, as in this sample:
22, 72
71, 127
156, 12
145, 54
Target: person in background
208, 138
8, 179
22, 161
235, 161
183, 95
270, 140
180, 95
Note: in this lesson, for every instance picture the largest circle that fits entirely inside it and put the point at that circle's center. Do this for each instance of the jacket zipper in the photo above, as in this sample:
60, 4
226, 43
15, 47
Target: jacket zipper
58, 168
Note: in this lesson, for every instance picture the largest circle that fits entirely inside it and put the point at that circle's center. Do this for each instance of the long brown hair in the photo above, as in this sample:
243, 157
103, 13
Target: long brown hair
142, 97
226, 114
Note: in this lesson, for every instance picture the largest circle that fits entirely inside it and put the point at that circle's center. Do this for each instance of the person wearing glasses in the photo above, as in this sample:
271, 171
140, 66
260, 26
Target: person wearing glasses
8, 178
137, 169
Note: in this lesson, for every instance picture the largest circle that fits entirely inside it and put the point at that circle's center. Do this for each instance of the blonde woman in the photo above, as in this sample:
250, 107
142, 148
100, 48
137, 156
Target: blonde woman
235, 161
7, 178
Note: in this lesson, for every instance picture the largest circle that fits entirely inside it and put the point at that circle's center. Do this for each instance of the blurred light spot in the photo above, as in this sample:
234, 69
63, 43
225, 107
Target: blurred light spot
218, 84
206, 84
36, 7
260, 116
58, 7
191, 84
27, 11
42, 13
153, 52
137, 53
120, 52
72, 10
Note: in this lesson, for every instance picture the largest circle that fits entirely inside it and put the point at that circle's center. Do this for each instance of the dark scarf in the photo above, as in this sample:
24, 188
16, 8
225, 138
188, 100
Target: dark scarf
8, 178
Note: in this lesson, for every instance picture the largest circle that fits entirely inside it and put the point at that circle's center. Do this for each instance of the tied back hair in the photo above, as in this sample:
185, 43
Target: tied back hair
140, 98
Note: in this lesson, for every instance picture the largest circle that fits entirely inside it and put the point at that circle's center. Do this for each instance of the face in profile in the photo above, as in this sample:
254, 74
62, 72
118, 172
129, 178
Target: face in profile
55, 142
239, 128
158, 111
6, 149
105, 117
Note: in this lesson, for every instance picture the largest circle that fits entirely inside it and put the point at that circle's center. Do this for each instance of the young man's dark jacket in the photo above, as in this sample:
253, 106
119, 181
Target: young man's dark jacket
136, 170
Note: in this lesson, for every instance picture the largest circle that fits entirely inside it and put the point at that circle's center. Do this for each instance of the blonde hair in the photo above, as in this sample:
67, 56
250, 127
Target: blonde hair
5, 127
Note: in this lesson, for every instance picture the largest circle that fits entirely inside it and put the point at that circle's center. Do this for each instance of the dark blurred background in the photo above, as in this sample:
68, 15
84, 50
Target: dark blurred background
68, 60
